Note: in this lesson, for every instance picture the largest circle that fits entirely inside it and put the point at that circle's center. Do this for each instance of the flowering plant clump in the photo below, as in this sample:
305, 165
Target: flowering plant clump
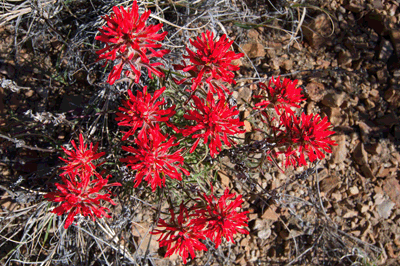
214, 121
179, 236
283, 95
143, 111
81, 160
211, 218
153, 161
305, 135
211, 63
80, 193
130, 42
158, 133
218, 219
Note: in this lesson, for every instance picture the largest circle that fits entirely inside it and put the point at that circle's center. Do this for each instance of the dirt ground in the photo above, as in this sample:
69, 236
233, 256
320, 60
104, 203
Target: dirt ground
344, 210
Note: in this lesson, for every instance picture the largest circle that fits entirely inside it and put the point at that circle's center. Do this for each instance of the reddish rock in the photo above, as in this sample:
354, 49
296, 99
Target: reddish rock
317, 31
315, 91
392, 188
339, 152
254, 50
329, 183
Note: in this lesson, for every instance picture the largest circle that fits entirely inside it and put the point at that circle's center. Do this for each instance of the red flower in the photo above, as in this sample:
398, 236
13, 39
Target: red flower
304, 135
129, 41
80, 195
211, 63
217, 218
214, 121
281, 96
153, 161
143, 111
178, 236
82, 159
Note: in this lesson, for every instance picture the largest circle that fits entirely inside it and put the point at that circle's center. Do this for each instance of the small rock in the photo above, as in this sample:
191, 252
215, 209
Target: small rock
389, 95
350, 214
322, 173
244, 95
354, 190
385, 50
254, 50
270, 214
244, 242
253, 34
334, 115
366, 170
225, 180
374, 149
315, 91
345, 58
385, 209
247, 126
287, 65
334, 99
329, 183
365, 131
363, 208
369, 104
374, 94
382, 75
339, 152
315, 32
353, 7
395, 39
377, 4
392, 188
264, 233
379, 198
259, 224
360, 155
29, 93
253, 216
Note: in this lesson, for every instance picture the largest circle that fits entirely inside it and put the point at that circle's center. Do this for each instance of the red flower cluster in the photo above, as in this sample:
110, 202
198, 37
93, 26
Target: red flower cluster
281, 96
143, 111
151, 158
82, 159
211, 63
217, 219
153, 161
214, 120
305, 135
129, 41
179, 236
212, 218
80, 193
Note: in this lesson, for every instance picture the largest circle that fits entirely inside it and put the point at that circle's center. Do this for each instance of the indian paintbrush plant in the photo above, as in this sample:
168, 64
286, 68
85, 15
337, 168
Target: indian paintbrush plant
156, 149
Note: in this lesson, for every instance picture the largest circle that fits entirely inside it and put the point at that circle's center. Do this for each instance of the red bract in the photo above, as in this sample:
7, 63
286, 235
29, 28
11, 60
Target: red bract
215, 121
81, 160
81, 195
143, 111
129, 41
305, 135
211, 63
153, 161
178, 236
217, 218
282, 96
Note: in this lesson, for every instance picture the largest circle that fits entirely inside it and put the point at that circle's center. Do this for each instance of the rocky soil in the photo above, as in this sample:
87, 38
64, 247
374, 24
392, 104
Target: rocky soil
344, 210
